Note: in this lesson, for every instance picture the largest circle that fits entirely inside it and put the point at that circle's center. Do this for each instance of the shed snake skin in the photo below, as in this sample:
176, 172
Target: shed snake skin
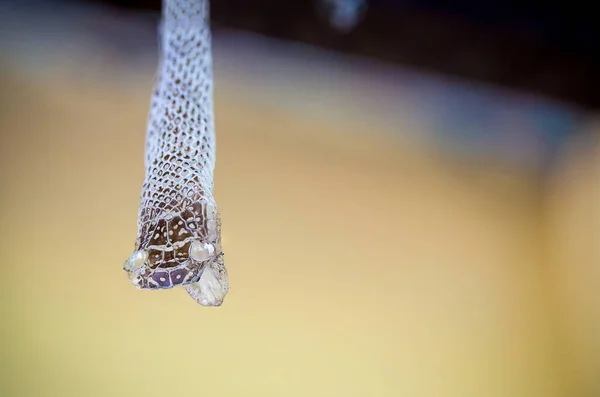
179, 227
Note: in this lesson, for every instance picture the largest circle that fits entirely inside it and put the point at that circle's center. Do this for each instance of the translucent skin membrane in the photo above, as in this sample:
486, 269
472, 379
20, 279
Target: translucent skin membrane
179, 226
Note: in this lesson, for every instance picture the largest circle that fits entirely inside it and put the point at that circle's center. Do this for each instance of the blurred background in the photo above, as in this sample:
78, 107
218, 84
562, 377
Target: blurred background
409, 192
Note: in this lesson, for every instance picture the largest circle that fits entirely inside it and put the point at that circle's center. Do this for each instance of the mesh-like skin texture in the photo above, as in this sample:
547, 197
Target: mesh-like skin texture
177, 206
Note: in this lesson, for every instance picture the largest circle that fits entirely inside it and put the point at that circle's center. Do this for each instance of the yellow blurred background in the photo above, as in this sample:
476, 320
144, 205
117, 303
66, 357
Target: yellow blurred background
360, 264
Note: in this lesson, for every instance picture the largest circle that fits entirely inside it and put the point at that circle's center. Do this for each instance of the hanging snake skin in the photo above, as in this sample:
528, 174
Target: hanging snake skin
179, 226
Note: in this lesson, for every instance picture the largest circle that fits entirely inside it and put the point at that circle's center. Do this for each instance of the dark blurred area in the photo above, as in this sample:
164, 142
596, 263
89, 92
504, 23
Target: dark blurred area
551, 48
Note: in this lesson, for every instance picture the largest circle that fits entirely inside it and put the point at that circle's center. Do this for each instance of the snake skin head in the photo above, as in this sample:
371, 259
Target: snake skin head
174, 248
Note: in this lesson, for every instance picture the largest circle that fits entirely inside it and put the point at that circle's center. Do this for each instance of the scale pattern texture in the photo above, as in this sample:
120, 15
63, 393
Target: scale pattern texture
177, 205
